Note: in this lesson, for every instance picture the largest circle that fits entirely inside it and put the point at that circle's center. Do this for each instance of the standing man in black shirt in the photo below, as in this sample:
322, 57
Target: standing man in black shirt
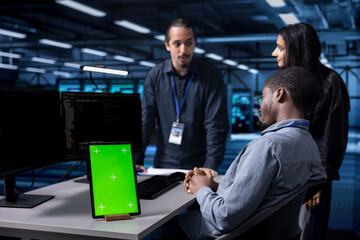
186, 98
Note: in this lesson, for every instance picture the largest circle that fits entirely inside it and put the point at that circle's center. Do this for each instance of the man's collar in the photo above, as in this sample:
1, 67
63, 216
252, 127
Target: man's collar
193, 68
295, 122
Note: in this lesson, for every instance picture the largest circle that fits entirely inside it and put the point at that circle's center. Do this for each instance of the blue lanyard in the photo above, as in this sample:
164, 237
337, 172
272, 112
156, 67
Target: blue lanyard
175, 98
296, 124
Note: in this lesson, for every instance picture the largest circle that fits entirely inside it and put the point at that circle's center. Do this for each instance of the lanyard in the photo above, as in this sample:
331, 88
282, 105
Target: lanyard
175, 98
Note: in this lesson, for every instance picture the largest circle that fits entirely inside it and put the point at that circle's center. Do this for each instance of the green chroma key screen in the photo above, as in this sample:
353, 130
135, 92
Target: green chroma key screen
112, 180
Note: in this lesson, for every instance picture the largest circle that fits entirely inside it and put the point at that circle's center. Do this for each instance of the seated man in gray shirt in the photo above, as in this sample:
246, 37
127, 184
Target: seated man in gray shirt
268, 169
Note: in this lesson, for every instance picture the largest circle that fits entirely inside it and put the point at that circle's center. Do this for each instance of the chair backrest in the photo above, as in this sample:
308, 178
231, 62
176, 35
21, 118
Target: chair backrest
279, 221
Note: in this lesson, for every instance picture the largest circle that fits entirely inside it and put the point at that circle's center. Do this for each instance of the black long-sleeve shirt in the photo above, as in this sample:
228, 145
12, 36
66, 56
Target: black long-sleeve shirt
204, 114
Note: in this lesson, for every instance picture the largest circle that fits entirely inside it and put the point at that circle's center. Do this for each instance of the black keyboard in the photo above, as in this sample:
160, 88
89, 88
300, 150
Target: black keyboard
158, 184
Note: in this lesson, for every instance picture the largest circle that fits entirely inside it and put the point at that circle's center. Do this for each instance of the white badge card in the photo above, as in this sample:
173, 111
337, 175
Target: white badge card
176, 133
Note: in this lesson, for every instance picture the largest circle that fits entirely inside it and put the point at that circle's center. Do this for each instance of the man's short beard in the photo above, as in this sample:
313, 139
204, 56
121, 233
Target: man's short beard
263, 126
184, 65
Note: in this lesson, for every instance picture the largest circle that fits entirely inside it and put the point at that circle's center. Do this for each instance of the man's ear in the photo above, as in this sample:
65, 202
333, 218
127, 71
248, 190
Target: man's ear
167, 46
280, 95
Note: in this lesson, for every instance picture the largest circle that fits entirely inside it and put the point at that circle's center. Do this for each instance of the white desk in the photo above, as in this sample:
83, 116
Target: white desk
68, 215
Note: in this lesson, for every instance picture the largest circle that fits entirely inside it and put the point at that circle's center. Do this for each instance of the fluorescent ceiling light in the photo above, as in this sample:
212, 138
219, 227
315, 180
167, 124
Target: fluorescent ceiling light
43, 60
12, 34
243, 67
122, 58
132, 26
276, 3
324, 60
9, 55
230, 62
55, 43
214, 56
82, 8
147, 64
199, 50
60, 73
35, 70
289, 18
93, 52
254, 71
104, 70
160, 37
73, 65
8, 66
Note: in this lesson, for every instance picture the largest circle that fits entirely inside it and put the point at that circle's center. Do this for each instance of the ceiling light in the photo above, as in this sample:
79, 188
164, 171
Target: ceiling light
214, 56
132, 26
243, 67
254, 71
276, 3
12, 34
160, 37
94, 52
55, 43
122, 58
289, 18
104, 70
82, 8
35, 70
199, 50
9, 55
8, 66
73, 65
147, 64
60, 73
230, 62
43, 60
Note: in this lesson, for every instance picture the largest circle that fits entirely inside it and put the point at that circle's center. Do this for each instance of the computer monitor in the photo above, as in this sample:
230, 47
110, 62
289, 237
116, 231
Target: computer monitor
100, 117
31, 137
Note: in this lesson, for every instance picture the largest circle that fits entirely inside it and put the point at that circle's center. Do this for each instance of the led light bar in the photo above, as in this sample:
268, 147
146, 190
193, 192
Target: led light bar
160, 37
82, 8
214, 56
276, 3
254, 71
289, 18
8, 66
35, 70
230, 62
243, 67
72, 65
60, 73
10, 55
125, 59
43, 60
104, 70
199, 50
12, 34
94, 52
55, 43
132, 26
147, 64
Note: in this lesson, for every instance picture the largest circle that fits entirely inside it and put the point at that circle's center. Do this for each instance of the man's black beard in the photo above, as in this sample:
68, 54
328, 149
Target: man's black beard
263, 126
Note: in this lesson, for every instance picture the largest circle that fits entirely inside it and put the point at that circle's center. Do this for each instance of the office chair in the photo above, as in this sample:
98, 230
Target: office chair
277, 222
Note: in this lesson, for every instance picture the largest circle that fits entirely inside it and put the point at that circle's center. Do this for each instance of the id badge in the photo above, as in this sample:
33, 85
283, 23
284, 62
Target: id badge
176, 133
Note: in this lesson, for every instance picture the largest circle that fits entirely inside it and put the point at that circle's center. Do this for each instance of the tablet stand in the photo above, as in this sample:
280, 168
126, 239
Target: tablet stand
117, 217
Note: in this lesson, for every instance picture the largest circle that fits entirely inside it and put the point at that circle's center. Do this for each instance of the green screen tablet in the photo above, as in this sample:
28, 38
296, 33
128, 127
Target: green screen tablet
112, 179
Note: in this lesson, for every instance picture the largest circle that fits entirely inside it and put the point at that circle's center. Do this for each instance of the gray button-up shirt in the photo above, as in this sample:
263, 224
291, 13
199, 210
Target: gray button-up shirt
267, 170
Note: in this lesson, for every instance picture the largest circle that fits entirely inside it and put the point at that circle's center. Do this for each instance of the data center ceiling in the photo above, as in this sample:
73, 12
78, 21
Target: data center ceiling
241, 30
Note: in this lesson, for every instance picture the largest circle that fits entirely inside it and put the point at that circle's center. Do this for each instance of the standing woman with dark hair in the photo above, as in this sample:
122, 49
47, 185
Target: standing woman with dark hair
299, 45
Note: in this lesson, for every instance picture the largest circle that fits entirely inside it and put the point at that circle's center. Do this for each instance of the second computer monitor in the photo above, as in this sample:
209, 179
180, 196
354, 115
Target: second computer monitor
96, 117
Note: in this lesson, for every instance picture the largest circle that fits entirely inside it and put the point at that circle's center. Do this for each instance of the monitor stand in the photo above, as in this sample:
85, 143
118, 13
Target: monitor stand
22, 200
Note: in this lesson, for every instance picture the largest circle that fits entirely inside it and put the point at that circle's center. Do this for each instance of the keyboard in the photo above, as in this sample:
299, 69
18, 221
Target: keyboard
158, 184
